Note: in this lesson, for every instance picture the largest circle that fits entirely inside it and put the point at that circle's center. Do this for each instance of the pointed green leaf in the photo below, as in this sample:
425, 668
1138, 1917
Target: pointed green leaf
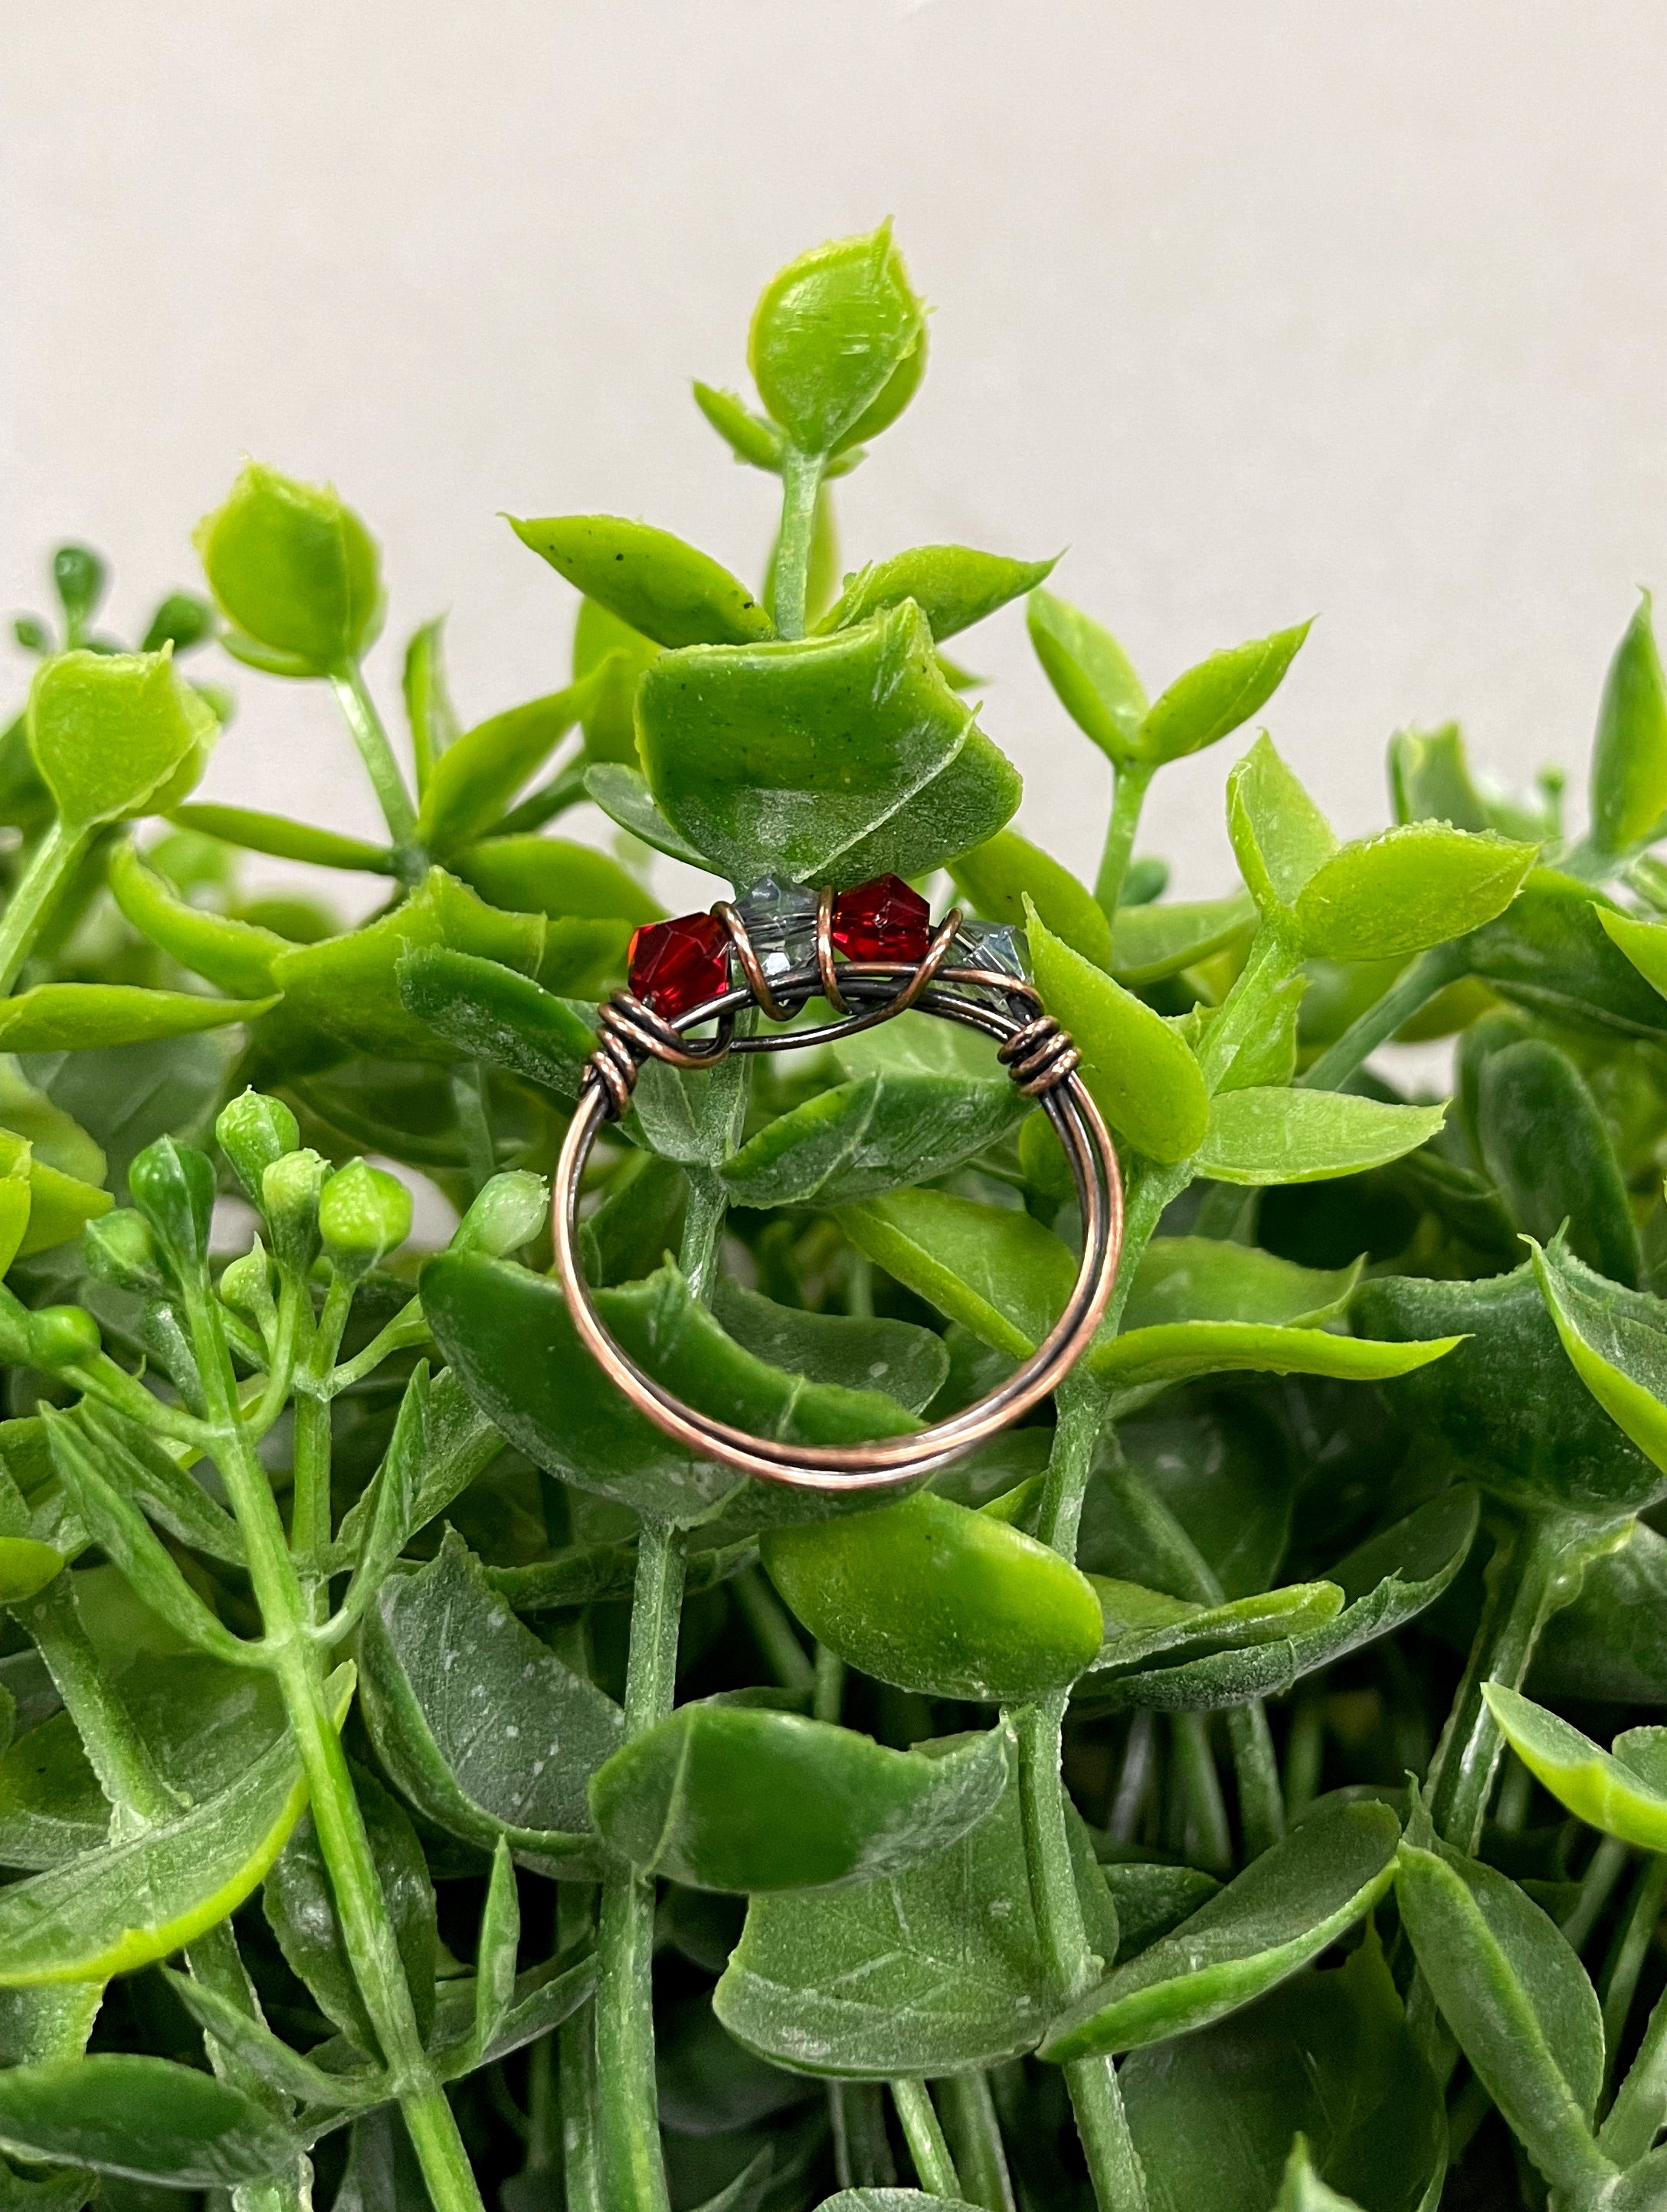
1623, 1791
76, 1017
236, 957
475, 779
1203, 1279
998, 876
1000, 1273
146, 2118
1407, 889
1156, 941
621, 793
283, 839
1268, 1134
1629, 751
429, 708
953, 586
834, 336
1279, 837
860, 1139
1092, 675
117, 734
668, 591
1551, 1160
1172, 1350
489, 1012
552, 876
1212, 700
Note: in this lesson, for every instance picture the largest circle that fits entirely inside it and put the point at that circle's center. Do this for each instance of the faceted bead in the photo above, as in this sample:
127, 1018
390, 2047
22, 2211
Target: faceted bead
781, 920
881, 921
675, 965
995, 946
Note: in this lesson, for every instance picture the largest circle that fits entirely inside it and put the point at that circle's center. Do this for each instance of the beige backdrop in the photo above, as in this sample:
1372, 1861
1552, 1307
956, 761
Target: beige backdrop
1263, 309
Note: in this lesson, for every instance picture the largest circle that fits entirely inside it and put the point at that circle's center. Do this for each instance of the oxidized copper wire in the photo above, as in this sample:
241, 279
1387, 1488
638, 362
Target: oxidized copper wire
1038, 1055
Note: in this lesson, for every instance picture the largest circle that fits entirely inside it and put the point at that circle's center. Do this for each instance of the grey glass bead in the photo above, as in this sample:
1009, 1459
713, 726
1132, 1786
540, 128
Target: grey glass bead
781, 920
991, 945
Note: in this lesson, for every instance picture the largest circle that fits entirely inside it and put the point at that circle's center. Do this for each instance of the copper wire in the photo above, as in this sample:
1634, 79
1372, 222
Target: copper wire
751, 967
824, 951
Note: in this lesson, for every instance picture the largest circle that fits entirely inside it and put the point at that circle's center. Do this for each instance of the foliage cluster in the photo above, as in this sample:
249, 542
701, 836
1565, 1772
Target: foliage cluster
424, 1782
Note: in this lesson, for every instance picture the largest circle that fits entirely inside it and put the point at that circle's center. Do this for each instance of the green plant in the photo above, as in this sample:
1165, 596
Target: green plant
426, 1782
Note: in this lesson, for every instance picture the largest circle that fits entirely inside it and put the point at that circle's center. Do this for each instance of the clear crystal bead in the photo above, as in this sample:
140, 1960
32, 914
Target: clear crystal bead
994, 946
781, 920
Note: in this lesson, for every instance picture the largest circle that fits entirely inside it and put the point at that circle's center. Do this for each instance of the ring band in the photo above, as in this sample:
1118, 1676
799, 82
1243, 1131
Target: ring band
699, 950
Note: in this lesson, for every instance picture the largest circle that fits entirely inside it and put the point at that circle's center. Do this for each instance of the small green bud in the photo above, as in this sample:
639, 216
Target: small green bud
290, 1200
295, 571
120, 1249
255, 1132
363, 1212
117, 734
509, 1213
245, 1284
80, 578
173, 1186
182, 620
838, 342
62, 1336
33, 636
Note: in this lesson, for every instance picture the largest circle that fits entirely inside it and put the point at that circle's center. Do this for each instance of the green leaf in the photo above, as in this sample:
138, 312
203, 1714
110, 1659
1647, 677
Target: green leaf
139, 1465
59, 1205
1302, 2190
249, 2040
1279, 838
835, 758
146, 2118
1553, 1445
836, 341
1270, 1134
613, 656
348, 986
475, 779
116, 734
666, 590
1430, 780
26, 1566
1000, 1273
1092, 675
439, 1445
76, 1017
1629, 751
1202, 1278
1326, 2055
489, 1012
1623, 1791
236, 957
749, 437
738, 1798
1616, 1340
623, 796
1173, 1350
934, 1597
908, 1363
429, 708
1517, 1998
1406, 889
283, 839
860, 1139
1153, 942
1281, 1913
1544, 1143
999, 875
953, 586
932, 1972
295, 571
51, 1808
1551, 951
1210, 700
552, 876
1142, 1076
1144, 1626
485, 1730
1609, 1644
508, 1334
134, 1901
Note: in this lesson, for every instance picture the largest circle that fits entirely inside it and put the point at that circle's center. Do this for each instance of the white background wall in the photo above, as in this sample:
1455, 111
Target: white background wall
1265, 307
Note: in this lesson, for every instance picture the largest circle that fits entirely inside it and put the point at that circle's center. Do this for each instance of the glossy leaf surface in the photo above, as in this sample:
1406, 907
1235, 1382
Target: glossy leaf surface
145, 2118
1411, 887
953, 586
997, 878
1092, 675
831, 333
1273, 1135
1624, 1791
1629, 750
651, 580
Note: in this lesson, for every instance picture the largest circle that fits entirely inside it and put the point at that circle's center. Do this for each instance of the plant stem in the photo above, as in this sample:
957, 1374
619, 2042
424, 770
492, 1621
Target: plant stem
32, 902
773, 1632
862, 2149
309, 1505
1620, 1983
474, 1121
1260, 1805
1608, 1863
828, 1696
576, 2065
365, 725
1412, 991
1526, 1582
633, 2171
974, 2140
935, 2168
1206, 1840
1641, 2107
790, 565
1304, 1752
722, 1113
1130, 783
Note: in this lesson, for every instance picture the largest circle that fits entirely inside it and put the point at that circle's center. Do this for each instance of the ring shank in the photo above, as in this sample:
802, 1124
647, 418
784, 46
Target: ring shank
889, 1460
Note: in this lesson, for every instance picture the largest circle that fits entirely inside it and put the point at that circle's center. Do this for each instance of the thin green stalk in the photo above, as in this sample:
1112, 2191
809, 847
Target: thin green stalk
1304, 1752
632, 2168
1261, 1803
773, 1631
790, 566
576, 2055
969, 2121
309, 1509
934, 2169
722, 1113
1640, 2109
1411, 992
32, 902
1206, 1840
1608, 1864
1524, 1579
364, 723
1620, 1984
474, 1121
828, 1697
862, 2149
1129, 784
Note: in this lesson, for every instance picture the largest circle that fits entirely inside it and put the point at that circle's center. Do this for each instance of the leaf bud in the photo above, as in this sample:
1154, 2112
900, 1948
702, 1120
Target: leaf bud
246, 1283
363, 1212
509, 1213
290, 1200
296, 573
62, 1336
182, 620
838, 342
117, 734
173, 1186
254, 1131
120, 1249
79, 577
31, 635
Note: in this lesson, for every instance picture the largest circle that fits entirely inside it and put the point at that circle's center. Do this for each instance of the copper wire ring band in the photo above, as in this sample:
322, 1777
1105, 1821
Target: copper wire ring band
1041, 1059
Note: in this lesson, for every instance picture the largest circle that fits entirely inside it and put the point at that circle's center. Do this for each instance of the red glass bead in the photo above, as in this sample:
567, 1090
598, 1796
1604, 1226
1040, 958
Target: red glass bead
675, 965
881, 921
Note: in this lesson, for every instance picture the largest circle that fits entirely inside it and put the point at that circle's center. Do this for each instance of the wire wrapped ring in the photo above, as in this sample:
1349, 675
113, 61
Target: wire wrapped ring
1039, 1057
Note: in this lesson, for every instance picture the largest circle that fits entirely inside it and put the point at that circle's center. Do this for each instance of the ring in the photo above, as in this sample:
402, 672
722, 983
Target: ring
773, 950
